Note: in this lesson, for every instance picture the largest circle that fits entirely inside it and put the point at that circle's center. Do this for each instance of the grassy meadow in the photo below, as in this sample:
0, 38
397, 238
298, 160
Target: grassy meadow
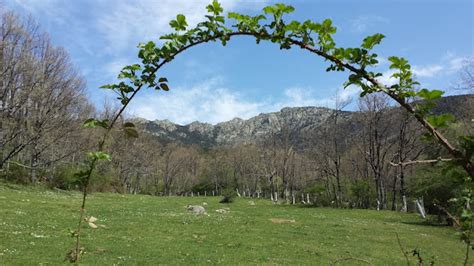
35, 226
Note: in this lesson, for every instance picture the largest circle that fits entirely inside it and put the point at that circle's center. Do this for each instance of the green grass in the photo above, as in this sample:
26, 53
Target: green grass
35, 225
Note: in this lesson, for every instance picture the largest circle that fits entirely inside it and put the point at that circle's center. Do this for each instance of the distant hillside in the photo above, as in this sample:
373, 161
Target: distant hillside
300, 120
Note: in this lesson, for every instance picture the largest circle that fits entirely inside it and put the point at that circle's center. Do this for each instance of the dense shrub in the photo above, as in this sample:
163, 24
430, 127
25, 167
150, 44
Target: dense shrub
229, 195
64, 178
16, 174
361, 194
437, 185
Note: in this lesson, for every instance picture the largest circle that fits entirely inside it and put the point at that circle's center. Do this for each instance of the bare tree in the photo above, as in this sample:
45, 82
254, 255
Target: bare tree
467, 75
376, 142
41, 96
408, 148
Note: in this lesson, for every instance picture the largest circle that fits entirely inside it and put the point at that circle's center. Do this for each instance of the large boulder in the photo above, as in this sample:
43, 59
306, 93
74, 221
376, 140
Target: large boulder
196, 209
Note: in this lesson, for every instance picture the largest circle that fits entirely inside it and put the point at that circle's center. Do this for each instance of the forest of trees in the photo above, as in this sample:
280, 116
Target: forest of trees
365, 164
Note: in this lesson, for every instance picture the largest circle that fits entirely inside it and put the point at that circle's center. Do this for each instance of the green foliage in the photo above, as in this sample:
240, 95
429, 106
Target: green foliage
361, 193
92, 123
467, 146
406, 84
229, 195
215, 8
370, 41
430, 95
202, 187
319, 192
440, 121
65, 178
99, 155
130, 130
437, 187
16, 173
179, 24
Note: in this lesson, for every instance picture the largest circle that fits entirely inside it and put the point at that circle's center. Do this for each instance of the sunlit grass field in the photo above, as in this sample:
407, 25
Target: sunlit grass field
35, 226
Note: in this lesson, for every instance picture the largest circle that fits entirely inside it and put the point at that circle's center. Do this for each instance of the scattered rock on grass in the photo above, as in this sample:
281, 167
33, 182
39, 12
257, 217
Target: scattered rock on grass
90, 219
223, 211
196, 209
93, 225
282, 221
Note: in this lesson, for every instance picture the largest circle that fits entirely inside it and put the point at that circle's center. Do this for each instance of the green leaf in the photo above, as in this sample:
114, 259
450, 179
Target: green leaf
134, 67
181, 20
284, 8
269, 10
109, 86
327, 23
90, 123
179, 24
126, 89
440, 121
104, 123
293, 26
130, 132
215, 8
370, 41
128, 124
430, 95
164, 87
162, 79
398, 63
124, 100
99, 155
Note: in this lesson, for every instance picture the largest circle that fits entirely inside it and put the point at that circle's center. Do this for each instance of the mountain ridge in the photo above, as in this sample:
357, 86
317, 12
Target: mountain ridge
299, 120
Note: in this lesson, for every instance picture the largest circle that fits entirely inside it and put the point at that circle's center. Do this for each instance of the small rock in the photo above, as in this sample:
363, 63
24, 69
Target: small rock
251, 203
222, 211
204, 204
100, 250
282, 221
196, 209
93, 225
91, 219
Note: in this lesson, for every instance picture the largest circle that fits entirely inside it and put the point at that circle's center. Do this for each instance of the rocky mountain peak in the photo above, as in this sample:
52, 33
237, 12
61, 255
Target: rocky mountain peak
240, 130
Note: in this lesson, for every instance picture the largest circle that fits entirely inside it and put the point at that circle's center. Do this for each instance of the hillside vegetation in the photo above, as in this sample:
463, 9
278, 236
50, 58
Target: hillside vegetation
139, 229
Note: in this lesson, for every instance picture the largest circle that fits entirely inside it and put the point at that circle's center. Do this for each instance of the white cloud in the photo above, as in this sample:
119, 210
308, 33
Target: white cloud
127, 23
296, 97
452, 62
448, 65
364, 23
206, 102
212, 102
52, 9
427, 71
455, 63
387, 79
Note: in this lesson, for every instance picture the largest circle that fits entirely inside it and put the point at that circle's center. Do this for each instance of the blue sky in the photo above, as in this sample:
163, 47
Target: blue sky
214, 84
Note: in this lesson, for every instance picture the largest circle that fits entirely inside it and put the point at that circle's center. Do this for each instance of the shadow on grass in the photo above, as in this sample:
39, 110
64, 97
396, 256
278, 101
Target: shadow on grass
427, 222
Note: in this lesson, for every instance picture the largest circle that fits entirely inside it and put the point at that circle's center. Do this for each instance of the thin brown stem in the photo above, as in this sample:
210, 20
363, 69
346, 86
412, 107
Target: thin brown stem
402, 249
466, 256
